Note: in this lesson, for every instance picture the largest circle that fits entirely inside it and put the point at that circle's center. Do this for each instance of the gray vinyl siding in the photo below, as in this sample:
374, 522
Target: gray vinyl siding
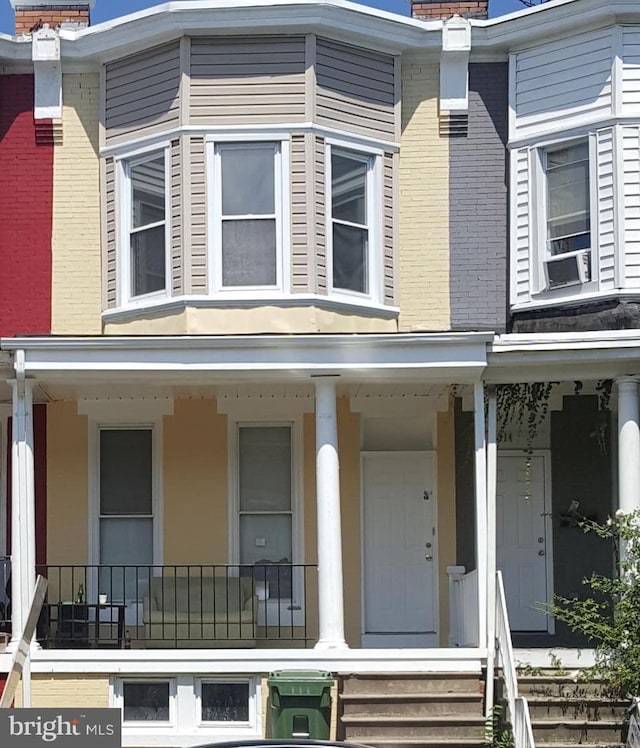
110, 224
320, 216
388, 232
355, 90
199, 284
299, 218
176, 219
142, 93
244, 80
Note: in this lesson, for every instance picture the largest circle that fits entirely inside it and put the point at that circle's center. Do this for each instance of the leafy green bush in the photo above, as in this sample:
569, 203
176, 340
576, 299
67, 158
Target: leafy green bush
610, 617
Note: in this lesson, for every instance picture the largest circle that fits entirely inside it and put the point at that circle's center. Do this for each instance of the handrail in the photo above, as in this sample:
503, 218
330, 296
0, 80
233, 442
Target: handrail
517, 706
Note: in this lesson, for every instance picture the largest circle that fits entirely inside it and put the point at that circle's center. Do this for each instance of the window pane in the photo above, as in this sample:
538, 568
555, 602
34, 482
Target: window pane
348, 188
350, 249
125, 471
148, 261
129, 542
147, 192
248, 180
265, 538
225, 702
568, 205
265, 468
146, 701
249, 253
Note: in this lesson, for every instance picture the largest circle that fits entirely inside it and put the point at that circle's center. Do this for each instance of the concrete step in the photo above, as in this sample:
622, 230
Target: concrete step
576, 707
576, 731
412, 683
426, 743
416, 704
561, 686
361, 728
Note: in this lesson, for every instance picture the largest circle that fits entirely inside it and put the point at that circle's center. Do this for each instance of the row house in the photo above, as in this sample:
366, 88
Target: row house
278, 283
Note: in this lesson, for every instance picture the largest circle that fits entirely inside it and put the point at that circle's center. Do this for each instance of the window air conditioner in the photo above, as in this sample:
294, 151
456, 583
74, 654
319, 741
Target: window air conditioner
568, 269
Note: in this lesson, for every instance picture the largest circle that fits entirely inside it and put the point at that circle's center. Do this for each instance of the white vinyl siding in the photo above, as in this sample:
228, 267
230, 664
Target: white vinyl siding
606, 209
521, 227
562, 82
631, 69
631, 197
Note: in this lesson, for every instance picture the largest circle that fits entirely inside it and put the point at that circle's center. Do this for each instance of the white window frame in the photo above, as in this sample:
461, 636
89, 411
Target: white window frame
271, 609
539, 212
107, 415
375, 215
124, 165
282, 198
221, 727
147, 726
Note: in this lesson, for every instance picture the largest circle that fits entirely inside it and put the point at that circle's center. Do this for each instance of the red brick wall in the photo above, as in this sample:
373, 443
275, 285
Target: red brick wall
430, 11
26, 202
29, 17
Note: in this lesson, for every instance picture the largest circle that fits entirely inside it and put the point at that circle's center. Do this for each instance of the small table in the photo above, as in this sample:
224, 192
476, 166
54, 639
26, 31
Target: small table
73, 621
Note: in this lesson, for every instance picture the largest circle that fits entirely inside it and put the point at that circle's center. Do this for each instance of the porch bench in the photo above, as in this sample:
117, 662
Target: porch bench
203, 612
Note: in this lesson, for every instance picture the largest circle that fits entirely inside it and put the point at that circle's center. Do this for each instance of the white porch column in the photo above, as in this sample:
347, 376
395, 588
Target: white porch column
23, 526
330, 588
628, 444
481, 509
492, 475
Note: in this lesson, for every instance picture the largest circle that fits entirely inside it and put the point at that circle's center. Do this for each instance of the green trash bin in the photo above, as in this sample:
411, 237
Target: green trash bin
300, 704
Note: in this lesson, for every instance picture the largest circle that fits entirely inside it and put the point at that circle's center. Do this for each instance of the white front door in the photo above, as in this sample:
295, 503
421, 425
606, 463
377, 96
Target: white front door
524, 539
400, 551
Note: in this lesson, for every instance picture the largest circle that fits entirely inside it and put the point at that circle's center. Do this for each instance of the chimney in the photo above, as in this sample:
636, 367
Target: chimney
432, 10
32, 15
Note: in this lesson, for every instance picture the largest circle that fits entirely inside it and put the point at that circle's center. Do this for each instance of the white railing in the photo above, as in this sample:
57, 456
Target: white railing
517, 706
463, 599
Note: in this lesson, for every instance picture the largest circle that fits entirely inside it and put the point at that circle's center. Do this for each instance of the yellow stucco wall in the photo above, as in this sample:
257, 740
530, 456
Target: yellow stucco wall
446, 456
61, 690
76, 276
256, 320
195, 484
423, 265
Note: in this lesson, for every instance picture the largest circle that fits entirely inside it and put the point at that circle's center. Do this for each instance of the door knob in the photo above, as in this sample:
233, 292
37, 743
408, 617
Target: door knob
428, 558
540, 553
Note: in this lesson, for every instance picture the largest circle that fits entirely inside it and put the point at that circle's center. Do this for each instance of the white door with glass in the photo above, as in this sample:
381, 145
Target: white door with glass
400, 549
524, 539
266, 520
126, 513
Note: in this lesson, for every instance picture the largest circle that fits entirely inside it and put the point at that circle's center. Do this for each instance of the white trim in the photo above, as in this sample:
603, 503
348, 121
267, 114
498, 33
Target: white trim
282, 131
617, 73
248, 299
282, 198
248, 661
117, 422
5, 412
576, 299
235, 421
577, 127
619, 208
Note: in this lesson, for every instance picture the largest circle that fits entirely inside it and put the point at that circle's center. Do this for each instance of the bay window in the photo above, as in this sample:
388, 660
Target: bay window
147, 225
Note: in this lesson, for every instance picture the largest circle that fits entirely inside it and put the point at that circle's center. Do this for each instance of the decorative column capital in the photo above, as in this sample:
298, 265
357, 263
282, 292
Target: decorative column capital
627, 382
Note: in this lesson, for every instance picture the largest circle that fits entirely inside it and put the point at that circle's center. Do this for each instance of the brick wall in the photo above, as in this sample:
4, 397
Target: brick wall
30, 17
429, 11
76, 212
423, 257
478, 207
26, 170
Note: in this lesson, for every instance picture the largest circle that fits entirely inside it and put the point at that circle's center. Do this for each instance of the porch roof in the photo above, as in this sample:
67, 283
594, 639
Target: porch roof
517, 357
451, 357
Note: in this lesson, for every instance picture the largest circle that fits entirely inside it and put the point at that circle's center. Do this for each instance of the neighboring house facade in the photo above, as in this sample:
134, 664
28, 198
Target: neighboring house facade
280, 257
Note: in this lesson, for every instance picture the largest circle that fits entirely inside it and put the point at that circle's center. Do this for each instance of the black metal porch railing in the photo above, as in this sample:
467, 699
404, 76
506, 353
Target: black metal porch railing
203, 606
5, 594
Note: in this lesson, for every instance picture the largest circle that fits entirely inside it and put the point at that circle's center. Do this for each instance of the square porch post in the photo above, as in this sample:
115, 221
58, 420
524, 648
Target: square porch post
628, 444
330, 587
23, 525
